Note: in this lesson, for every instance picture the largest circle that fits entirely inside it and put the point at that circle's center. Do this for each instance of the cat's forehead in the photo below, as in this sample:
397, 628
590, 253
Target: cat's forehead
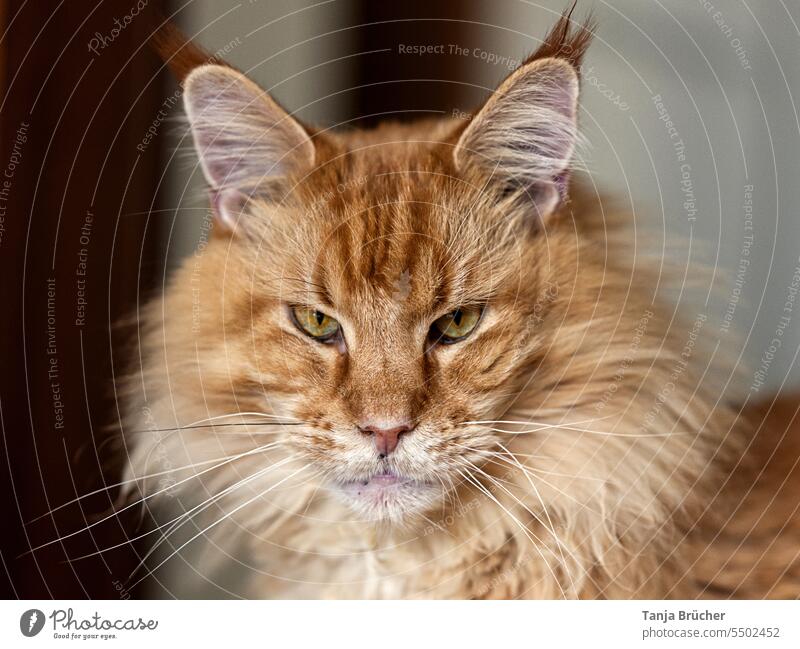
403, 251
390, 162
397, 251
387, 219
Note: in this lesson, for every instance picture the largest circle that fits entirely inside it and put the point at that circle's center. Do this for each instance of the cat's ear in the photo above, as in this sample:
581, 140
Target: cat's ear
525, 135
244, 139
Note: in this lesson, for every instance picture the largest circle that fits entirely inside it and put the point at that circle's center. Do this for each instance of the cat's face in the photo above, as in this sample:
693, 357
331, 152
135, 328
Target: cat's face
387, 329
395, 287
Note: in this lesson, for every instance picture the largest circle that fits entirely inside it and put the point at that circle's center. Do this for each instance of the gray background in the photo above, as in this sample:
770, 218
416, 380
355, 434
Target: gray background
739, 126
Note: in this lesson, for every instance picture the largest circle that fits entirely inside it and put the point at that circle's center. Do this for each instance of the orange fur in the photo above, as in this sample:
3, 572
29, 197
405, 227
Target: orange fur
621, 438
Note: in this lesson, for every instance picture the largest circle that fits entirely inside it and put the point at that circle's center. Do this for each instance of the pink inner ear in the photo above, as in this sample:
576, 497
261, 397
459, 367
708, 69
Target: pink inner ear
526, 133
227, 205
562, 96
241, 134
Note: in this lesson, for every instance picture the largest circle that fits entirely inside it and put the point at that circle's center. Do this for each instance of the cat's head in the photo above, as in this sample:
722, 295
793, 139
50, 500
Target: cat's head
389, 289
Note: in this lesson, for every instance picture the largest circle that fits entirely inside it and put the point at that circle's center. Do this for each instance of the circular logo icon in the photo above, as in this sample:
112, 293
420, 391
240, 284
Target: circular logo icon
31, 622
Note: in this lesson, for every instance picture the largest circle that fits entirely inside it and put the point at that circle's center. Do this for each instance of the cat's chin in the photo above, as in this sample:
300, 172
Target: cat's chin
390, 497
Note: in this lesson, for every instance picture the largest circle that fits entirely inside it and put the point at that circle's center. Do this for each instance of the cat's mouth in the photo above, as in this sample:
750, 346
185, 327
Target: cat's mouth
388, 493
380, 483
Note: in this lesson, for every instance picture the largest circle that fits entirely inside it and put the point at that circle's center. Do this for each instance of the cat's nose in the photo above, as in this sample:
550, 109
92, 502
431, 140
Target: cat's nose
386, 436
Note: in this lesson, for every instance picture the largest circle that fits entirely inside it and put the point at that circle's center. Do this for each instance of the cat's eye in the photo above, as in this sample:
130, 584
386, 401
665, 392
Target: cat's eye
315, 323
456, 325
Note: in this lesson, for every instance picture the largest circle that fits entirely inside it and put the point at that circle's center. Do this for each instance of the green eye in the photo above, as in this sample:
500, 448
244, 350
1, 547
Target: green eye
456, 325
315, 323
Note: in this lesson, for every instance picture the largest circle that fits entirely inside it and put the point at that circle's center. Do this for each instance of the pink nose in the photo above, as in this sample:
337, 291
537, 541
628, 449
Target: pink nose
386, 439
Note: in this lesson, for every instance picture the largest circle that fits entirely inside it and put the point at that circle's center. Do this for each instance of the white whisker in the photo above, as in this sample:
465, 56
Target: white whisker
134, 479
531, 422
584, 430
536, 517
218, 521
176, 525
259, 449
524, 529
197, 508
526, 467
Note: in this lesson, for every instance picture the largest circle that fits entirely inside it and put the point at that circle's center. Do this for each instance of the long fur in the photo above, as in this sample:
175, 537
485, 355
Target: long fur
567, 448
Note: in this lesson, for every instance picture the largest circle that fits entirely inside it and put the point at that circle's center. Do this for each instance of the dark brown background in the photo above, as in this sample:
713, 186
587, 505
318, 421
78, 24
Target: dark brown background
85, 115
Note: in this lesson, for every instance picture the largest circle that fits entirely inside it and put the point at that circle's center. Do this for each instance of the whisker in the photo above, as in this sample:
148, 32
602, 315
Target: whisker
485, 451
584, 430
201, 506
258, 449
551, 485
524, 529
205, 505
526, 467
531, 422
436, 525
132, 480
193, 426
249, 413
551, 529
448, 494
319, 474
540, 426
218, 521
560, 543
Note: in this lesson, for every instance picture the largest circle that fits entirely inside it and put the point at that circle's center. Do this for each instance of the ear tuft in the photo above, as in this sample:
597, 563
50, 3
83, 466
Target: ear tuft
567, 40
179, 52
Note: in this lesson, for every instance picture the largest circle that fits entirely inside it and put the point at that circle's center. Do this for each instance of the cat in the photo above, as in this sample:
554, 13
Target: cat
417, 362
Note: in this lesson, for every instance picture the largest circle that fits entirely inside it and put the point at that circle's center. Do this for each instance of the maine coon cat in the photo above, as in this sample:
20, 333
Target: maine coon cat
413, 362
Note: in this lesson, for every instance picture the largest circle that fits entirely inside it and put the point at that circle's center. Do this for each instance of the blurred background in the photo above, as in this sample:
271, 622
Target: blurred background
688, 108
725, 74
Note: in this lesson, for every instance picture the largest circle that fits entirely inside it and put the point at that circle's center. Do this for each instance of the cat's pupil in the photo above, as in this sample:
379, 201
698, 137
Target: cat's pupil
457, 318
319, 317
